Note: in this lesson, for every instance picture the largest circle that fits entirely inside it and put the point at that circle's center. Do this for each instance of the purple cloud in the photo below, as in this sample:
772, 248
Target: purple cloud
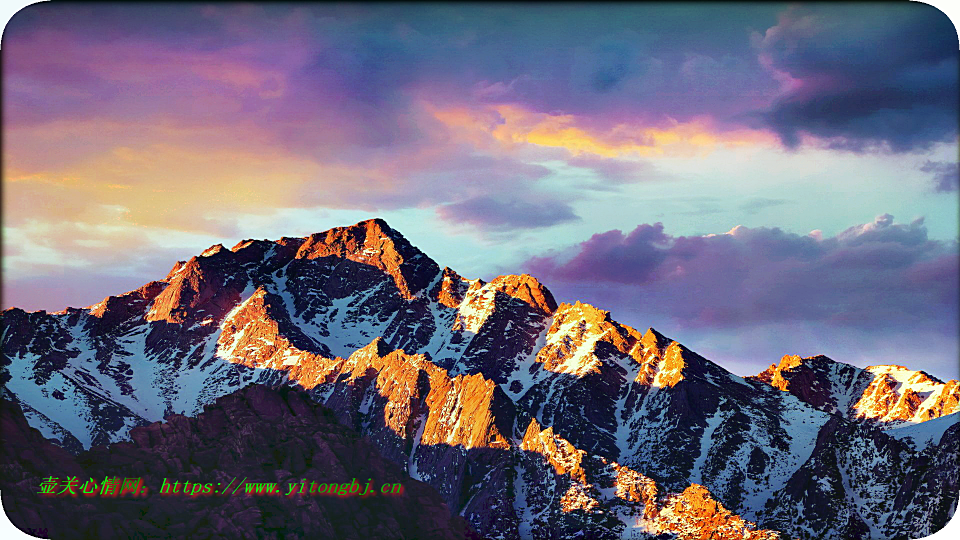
622, 259
946, 175
341, 82
616, 171
868, 276
341, 66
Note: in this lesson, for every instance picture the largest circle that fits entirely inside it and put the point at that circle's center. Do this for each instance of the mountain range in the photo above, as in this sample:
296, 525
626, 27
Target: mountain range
527, 418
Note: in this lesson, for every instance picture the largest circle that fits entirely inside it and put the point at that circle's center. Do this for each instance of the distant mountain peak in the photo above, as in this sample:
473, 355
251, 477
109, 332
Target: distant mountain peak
373, 242
451, 288
889, 395
378, 348
177, 266
356, 237
588, 312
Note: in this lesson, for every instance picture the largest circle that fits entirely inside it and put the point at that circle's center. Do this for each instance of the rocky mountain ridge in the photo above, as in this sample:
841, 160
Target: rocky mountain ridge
447, 375
889, 396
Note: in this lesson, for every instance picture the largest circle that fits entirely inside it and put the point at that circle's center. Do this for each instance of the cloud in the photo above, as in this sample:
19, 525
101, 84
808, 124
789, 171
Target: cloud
499, 213
613, 63
946, 175
54, 265
872, 275
622, 259
862, 78
171, 187
616, 171
330, 106
110, 248
193, 118
510, 127
337, 82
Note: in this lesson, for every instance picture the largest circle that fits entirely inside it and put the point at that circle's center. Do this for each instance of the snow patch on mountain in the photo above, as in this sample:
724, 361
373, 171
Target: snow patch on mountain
926, 433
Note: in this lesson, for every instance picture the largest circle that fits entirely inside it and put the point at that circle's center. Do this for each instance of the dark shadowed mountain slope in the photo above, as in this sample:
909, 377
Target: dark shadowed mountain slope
256, 433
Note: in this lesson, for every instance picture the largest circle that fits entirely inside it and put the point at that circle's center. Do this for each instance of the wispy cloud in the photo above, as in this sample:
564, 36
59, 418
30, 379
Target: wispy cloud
499, 213
946, 175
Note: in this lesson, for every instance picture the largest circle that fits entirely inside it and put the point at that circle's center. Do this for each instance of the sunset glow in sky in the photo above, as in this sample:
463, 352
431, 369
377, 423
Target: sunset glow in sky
752, 180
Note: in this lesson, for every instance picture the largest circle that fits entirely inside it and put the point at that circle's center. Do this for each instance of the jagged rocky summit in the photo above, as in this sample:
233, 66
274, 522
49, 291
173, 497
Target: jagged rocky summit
530, 418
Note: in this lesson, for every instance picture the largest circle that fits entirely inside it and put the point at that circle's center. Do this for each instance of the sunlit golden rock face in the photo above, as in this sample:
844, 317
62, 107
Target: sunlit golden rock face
373, 242
694, 513
901, 395
458, 410
528, 290
451, 289
562, 455
581, 334
594, 485
885, 395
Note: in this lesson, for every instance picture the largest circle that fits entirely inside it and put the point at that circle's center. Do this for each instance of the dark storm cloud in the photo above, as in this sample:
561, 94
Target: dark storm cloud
862, 76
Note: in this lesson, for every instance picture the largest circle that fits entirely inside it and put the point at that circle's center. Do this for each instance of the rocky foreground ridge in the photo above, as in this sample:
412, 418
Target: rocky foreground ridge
457, 381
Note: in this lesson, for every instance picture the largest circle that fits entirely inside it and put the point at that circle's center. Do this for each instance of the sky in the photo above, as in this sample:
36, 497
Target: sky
753, 180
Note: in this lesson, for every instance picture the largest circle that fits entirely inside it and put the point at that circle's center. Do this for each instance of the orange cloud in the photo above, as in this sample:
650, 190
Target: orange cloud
511, 125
